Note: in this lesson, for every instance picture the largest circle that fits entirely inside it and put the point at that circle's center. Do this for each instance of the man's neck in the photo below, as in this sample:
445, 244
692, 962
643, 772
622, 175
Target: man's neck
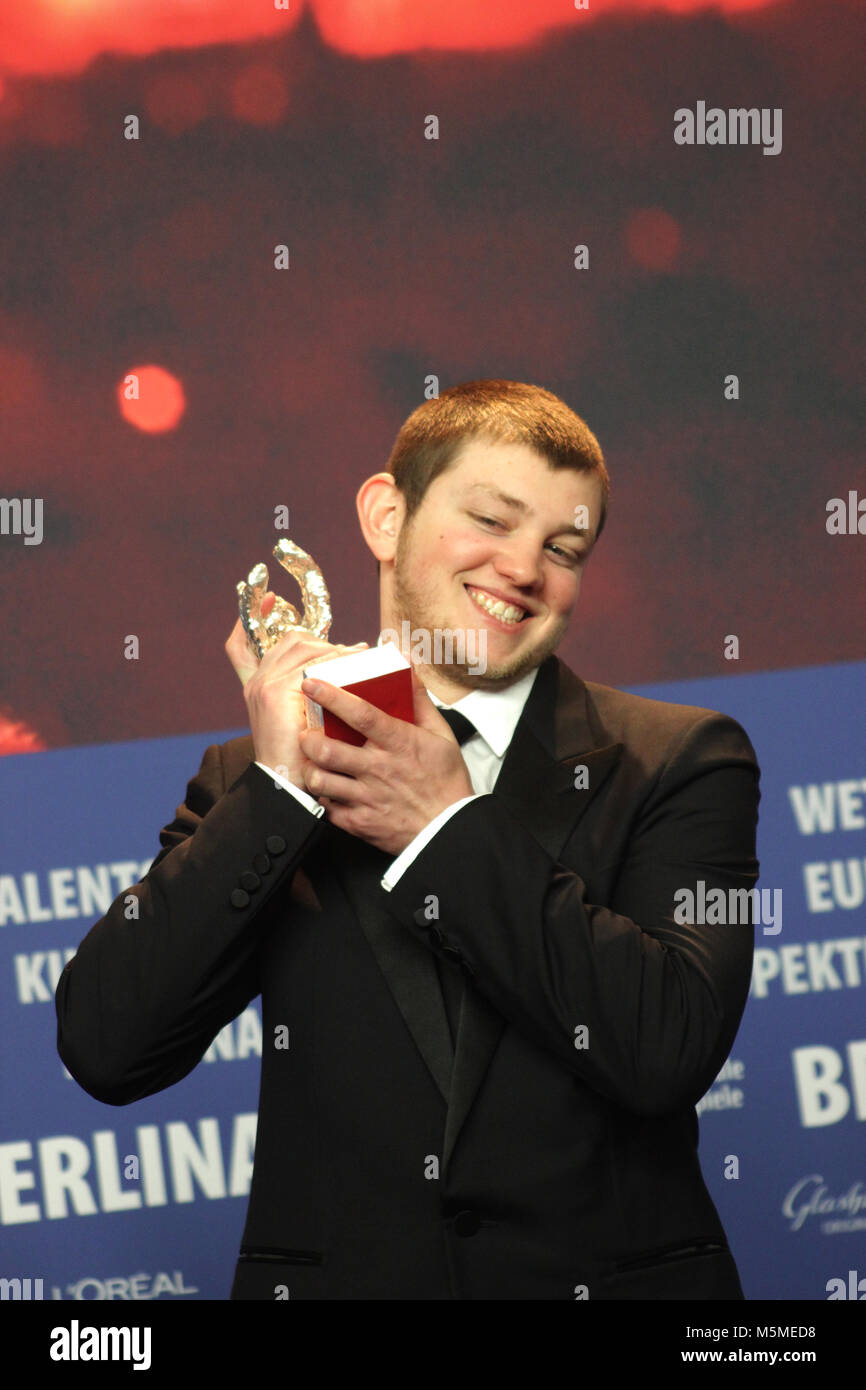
449, 691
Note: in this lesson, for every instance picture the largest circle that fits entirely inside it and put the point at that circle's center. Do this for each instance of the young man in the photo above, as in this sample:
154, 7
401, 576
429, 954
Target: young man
500, 1025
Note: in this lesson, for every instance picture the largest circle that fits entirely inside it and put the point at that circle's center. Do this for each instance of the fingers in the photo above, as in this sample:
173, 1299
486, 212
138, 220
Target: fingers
357, 713
293, 651
332, 754
238, 649
335, 651
328, 785
240, 654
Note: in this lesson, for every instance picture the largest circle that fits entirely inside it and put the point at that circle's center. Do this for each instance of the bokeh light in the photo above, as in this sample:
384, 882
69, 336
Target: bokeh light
653, 239
160, 401
259, 95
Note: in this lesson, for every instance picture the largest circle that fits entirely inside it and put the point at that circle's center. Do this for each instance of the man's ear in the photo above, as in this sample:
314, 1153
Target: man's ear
381, 508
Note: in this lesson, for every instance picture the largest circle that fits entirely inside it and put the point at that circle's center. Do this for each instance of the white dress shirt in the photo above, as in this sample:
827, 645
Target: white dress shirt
495, 714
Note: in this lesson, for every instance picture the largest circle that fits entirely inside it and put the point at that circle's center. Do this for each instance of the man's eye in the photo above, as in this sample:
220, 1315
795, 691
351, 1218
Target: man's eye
569, 555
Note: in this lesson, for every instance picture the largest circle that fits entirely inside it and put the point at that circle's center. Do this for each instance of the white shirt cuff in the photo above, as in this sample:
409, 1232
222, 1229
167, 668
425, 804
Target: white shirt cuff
304, 797
414, 848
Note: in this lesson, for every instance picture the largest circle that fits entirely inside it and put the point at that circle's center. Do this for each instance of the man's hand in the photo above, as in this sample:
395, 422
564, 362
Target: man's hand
405, 774
272, 690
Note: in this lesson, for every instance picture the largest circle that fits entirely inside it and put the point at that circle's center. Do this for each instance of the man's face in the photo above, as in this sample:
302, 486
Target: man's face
497, 526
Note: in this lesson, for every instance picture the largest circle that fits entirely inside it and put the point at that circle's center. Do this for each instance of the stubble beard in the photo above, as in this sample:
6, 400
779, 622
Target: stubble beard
412, 607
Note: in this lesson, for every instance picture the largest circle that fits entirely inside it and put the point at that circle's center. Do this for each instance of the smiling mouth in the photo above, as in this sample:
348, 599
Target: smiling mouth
509, 614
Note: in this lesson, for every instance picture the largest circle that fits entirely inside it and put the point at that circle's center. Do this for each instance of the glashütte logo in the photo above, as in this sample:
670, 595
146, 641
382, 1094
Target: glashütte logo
811, 1197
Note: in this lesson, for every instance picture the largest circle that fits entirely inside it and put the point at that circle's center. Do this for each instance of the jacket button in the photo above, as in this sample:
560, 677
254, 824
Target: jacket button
275, 844
250, 881
467, 1223
240, 898
262, 863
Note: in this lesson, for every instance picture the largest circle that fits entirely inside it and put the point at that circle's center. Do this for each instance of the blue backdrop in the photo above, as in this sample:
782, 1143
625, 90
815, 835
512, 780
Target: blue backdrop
149, 1200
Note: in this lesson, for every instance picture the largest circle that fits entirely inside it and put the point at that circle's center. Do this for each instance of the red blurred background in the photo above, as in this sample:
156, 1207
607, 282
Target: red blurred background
410, 257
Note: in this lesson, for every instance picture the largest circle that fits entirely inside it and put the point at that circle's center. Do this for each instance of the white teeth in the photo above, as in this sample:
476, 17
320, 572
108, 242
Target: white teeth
508, 613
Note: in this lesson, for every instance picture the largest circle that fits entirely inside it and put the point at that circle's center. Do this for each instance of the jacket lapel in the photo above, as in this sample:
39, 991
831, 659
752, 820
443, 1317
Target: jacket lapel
537, 783
408, 965
554, 739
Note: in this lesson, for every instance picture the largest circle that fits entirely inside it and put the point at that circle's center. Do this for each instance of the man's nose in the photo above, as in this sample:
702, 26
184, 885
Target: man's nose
520, 561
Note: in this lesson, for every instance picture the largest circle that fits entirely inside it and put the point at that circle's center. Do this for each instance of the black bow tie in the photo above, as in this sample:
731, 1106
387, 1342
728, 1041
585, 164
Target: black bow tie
461, 727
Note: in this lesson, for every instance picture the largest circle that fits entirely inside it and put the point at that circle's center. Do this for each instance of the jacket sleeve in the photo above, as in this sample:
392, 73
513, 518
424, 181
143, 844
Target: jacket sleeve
175, 957
660, 999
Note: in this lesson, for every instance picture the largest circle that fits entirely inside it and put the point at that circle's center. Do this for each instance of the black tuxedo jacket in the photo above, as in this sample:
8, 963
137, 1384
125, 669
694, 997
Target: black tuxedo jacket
553, 1153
